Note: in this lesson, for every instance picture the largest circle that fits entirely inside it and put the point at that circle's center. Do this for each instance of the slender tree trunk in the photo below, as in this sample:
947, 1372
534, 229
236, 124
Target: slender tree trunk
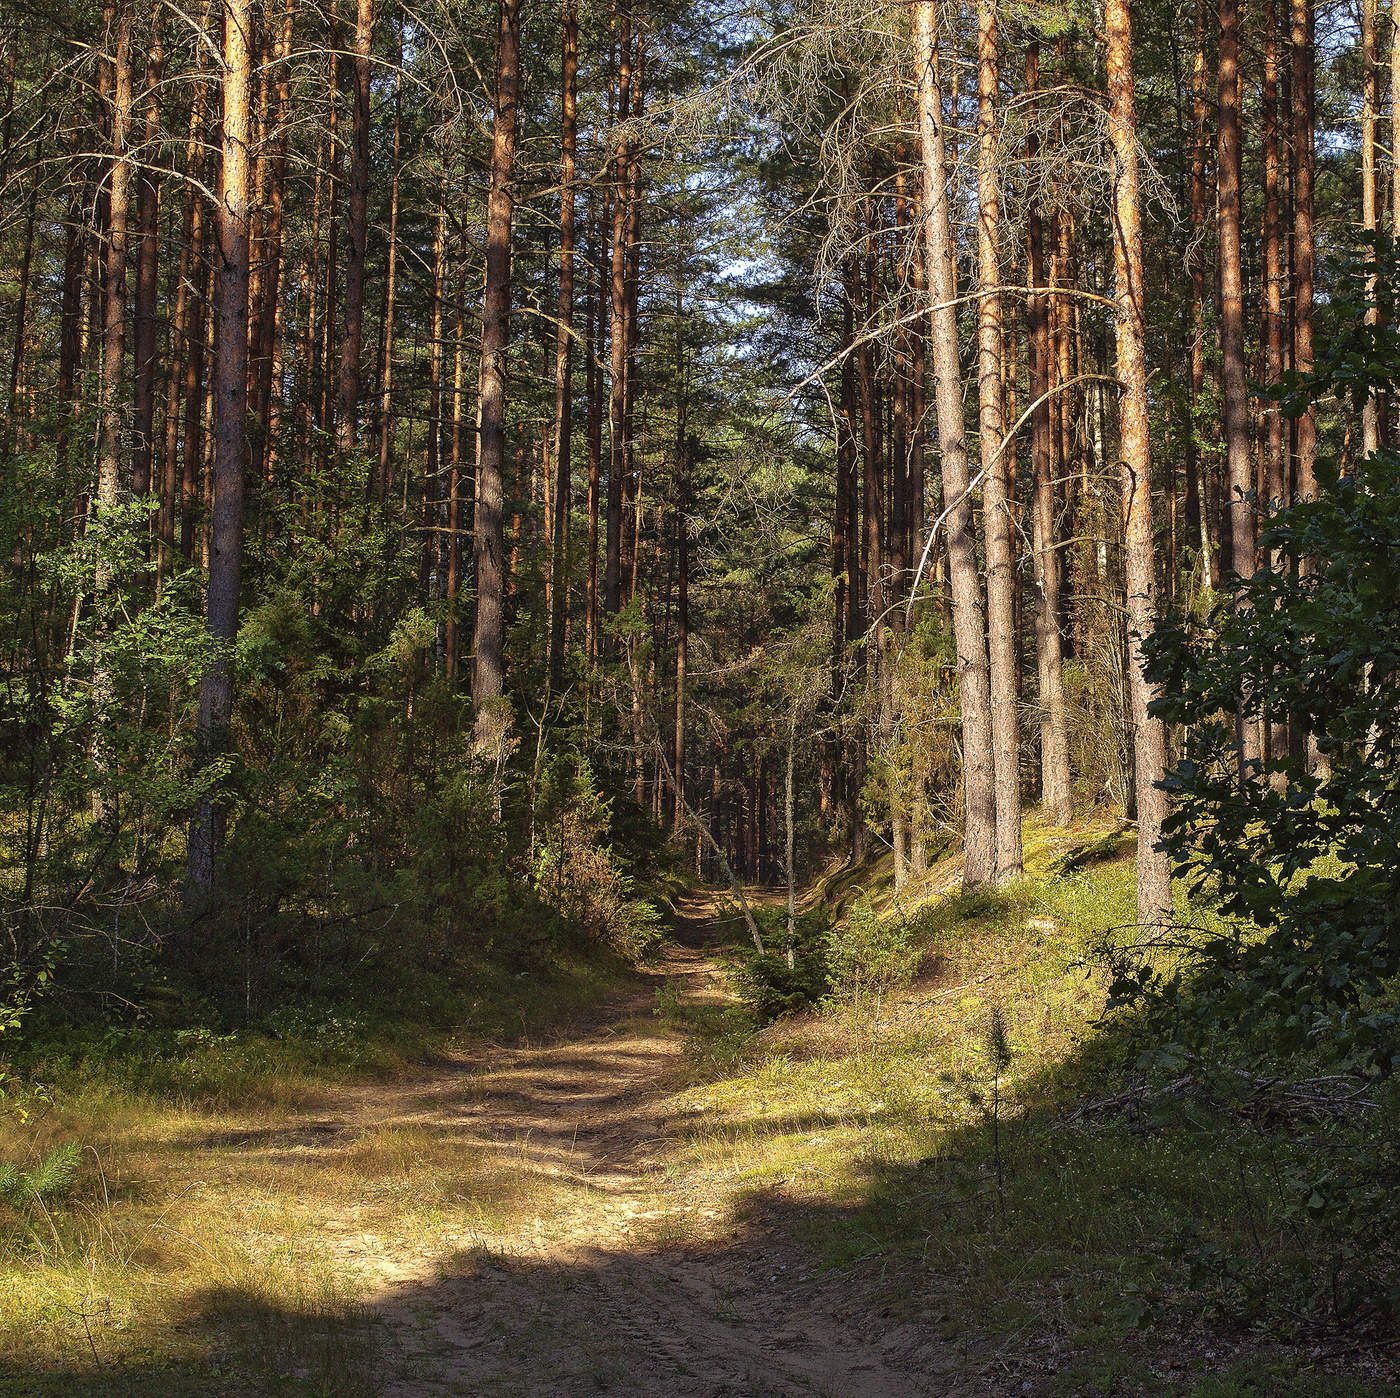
267, 310
617, 384
1055, 790
1370, 111
564, 346
117, 82
1149, 733
488, 637
594, 389
682, 652
26, 262
968, 626
383, 482
1275, 437
357, 228
432, 513
230, 385
1301, 39
147, 268
454, 491
1394, 123
999, 525
1199, 464
1234, 389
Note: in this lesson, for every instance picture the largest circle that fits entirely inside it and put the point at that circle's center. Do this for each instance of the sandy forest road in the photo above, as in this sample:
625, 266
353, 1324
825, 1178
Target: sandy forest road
608, 1274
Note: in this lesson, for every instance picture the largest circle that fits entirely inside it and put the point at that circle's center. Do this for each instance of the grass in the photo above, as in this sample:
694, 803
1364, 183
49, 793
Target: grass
225, 1230
1149, 1251
221, 1229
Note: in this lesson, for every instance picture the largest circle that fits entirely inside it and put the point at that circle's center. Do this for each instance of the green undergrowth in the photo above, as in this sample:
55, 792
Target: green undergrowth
1044, 1179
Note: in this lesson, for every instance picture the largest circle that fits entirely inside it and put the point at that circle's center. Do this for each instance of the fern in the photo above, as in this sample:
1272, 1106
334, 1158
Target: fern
52, 1177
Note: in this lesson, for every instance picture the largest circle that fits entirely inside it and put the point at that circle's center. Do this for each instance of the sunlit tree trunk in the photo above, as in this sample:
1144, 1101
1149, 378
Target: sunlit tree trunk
488, 636
230, 386
617, 377
117, 82
1304, 248
357, 229
999, 525
1370, 111
1149, 733
970, 638
143, 406
564, 345
1055, 791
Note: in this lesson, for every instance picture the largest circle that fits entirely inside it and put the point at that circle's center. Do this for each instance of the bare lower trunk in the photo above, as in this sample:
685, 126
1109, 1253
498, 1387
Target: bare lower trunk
970, 638
357, 227
1304, 252
117, 82
488, 674
143, 404
230, 387
1149, 733
997, 518
564, 350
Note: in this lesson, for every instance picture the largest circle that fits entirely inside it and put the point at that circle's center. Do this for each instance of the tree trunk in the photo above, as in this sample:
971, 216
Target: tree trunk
1301, 12
1275, 437
143, 407
357, 227
1055, 791
1370, 110
382, 484
1149, 733
488, 637
1234, 389
564, 347
617, 381
969, 630
230, 385
1198, 464
996, 507
267, 312
117, 82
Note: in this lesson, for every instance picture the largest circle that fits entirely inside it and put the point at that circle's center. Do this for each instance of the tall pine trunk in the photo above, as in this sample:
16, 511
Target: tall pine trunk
230, 387
998, 522
1149, 734
488, 636
564, 346
969, 630
357, 229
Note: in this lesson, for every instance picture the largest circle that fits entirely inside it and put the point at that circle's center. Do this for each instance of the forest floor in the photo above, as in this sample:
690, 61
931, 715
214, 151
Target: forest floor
655, 1200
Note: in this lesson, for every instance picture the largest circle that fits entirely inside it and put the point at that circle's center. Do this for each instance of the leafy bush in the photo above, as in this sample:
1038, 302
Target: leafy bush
1306, 849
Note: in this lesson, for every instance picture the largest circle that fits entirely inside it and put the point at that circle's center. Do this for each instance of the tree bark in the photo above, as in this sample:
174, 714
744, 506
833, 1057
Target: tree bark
564, 346
970, 639
143, 407
996, 506
1275, 436
117, 83
357, 229
617, 365
1149, 733
1370, 110
488, 637
230, 385
1055, 790
1234, 388
1304, 248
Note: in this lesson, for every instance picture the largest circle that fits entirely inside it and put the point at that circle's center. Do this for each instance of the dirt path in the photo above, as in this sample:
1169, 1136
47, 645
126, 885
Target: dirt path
606, 1274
